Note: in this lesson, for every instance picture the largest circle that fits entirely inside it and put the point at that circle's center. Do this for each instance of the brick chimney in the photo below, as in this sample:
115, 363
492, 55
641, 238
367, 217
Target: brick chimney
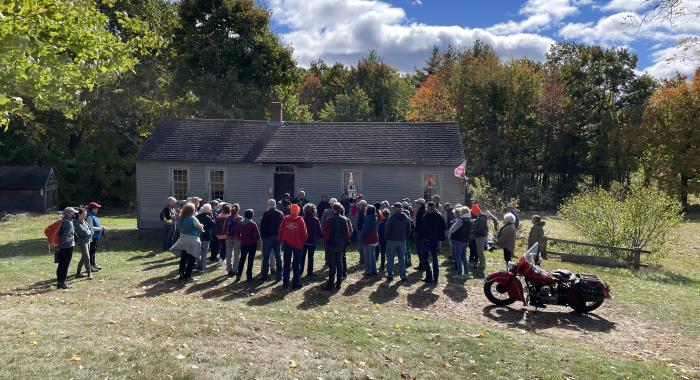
276, 113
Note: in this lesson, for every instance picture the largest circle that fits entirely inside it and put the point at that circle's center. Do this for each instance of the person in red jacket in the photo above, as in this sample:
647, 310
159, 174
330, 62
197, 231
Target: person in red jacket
248, 234
292, 234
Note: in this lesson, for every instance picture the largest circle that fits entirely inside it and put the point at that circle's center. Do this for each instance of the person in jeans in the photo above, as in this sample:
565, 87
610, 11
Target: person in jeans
233, 243
292, 234
336, 234
249, 234
432, 231
370, 239
397, 233
188, 244
220, 252
83, 233
206, 218
65, 247
98, 229
269, 227
313, 230
382, 239
460, 235
167, 217
480, 232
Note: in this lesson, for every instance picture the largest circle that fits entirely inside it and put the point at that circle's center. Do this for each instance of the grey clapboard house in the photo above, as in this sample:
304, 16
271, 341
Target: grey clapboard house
249, 162
27, 188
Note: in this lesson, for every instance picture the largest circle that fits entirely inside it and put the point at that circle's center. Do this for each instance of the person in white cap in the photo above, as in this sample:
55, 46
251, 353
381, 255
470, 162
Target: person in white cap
65, 246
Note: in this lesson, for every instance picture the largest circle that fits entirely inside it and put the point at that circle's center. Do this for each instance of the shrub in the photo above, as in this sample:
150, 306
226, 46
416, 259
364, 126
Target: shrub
487, 196
635, 216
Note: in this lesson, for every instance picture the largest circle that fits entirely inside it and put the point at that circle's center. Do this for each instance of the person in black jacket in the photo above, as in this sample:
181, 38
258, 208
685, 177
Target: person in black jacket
322, 206
417, 219
269, 225
206, 218
432, 232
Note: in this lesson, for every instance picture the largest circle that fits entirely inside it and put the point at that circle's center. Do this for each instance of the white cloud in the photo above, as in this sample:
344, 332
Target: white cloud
624, 5
669, 61
614, 28
345, 30
541, 14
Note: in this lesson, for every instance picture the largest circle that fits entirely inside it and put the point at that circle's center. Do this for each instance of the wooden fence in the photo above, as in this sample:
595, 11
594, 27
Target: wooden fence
593, 259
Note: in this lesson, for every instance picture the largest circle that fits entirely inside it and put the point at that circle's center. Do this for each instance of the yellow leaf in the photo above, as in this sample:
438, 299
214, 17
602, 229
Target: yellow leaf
397, 326
482, 334
33, 343
378, 306
75, 358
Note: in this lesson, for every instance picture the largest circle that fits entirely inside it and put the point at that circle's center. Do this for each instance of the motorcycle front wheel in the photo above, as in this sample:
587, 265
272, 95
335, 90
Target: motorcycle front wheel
587, 306
497, 293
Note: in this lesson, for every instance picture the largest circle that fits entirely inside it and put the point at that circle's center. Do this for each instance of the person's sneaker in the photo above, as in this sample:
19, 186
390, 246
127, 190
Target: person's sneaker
213, 259
403, 279
231, 274
79, 275
96, 269
390, 279
89, 277
62, 285
337, 285
238, 278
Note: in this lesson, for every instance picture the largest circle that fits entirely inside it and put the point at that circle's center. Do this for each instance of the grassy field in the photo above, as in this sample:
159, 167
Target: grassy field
136, 321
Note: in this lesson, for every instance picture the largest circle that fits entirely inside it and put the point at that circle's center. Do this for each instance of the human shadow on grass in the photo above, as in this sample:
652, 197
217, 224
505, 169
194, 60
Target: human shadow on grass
28, 248
544, 319
386, 291
360, 284
167, 263
455, 291
423, 296
315, 296
39, 287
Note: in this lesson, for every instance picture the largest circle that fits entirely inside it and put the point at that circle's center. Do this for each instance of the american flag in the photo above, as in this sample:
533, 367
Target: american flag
460, 170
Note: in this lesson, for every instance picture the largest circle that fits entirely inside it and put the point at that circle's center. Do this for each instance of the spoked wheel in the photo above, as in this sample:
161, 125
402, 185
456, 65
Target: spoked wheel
497, 293
587, 306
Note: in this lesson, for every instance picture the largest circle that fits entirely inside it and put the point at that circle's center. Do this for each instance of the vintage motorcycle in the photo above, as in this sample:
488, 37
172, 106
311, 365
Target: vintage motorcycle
582, 292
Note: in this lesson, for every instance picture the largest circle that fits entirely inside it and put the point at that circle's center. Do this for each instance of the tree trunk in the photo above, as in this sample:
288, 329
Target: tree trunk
684, 191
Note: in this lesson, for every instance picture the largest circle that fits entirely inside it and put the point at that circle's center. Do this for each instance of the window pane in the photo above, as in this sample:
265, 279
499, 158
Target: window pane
180, 183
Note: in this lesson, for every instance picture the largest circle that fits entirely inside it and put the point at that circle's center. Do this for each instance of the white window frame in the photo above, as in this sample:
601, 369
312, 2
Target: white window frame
425, 173
358, 180
209, 183
171, 173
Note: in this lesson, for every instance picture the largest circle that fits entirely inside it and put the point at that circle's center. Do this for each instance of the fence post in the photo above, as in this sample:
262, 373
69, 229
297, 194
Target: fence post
636, 257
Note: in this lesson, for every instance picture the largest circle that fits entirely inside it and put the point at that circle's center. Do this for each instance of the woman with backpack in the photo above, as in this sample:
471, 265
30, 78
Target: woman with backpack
83, 233
65, 246
205, 217
188, 244
233, 243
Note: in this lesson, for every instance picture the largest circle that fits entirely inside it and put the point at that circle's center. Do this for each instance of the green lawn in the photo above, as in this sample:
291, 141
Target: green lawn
136, 321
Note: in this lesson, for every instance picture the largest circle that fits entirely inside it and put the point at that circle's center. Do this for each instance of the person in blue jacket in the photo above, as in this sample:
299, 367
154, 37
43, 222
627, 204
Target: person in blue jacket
98, 230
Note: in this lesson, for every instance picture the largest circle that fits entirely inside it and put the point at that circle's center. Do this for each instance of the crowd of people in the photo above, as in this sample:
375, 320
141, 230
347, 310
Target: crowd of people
78, 228
292, 228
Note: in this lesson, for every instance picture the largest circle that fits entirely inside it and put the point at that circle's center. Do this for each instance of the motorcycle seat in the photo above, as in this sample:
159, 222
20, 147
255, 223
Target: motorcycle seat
562, 274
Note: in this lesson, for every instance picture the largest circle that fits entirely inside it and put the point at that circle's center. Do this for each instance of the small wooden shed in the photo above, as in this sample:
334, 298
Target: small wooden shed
27, 188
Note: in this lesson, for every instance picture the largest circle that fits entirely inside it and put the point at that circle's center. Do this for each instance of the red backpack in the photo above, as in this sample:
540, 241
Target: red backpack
53, 237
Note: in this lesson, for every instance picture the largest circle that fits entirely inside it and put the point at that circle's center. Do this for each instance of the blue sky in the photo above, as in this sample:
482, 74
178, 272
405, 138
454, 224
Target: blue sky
404, 31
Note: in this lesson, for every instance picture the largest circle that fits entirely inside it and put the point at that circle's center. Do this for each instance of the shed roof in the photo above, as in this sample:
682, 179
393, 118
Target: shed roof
240, 141
24, 177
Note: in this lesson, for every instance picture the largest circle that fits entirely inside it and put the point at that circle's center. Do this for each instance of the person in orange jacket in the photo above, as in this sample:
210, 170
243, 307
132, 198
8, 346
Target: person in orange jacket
292, 234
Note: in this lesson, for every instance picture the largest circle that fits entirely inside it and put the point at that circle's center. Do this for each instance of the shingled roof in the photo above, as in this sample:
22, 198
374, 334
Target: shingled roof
23, 177
237, 141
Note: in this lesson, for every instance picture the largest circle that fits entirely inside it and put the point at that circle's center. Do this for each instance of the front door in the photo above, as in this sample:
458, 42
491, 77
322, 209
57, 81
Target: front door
284, 181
